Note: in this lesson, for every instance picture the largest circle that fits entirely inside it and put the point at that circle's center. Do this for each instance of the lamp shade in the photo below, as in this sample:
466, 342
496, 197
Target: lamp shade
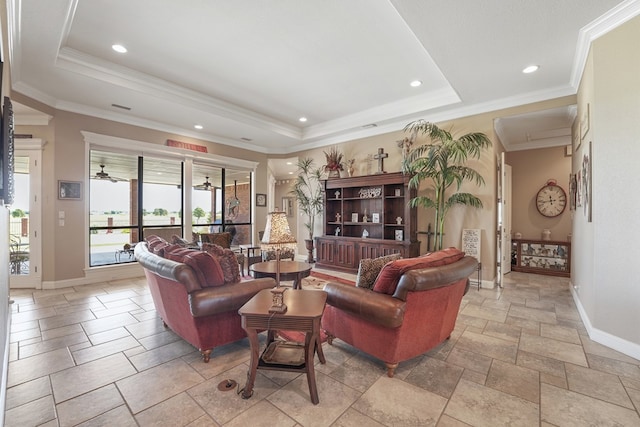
277, 234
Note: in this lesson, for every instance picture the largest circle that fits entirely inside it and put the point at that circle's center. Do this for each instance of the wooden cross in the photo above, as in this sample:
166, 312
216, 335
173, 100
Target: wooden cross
381, 156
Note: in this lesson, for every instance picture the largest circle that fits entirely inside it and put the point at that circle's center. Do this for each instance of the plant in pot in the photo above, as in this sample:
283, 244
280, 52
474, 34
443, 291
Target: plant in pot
307, 191
334, 163
443, 161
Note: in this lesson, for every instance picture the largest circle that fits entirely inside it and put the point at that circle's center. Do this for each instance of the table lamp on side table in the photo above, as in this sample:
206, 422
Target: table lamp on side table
277, 236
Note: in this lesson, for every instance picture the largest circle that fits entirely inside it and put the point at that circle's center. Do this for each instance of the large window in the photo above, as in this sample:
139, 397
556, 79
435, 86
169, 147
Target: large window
133, 196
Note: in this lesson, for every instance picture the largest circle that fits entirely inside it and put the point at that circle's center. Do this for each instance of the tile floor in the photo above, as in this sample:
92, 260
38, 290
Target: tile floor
98, 355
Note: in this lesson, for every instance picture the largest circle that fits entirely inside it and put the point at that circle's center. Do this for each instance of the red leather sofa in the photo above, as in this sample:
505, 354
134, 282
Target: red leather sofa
191, 296
412, 308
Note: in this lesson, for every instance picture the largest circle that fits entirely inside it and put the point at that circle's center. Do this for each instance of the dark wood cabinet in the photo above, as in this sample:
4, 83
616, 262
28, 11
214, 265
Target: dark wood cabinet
366, 217
542, 257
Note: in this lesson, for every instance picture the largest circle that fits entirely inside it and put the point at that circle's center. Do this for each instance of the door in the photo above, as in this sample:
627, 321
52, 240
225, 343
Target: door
25, 217
504, 220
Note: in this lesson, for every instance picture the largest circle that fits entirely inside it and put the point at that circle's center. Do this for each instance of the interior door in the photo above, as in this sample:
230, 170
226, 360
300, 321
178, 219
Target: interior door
25, 220
504, 220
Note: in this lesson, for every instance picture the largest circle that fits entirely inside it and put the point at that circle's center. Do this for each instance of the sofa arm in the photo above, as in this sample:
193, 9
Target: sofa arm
230, 297
381, 309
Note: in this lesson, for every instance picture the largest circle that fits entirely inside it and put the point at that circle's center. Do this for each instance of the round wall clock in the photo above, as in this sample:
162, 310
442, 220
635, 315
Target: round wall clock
551, 199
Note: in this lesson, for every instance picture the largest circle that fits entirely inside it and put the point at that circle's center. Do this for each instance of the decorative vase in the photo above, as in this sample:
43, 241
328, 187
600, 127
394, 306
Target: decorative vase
309, 245
546, 234
350, 171
334, 173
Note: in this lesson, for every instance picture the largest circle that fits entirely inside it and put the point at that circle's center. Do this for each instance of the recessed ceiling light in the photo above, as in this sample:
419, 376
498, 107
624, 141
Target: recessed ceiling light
530, 69
416, 83
197, 126
302, 119
290, 173
119, 48
289, 163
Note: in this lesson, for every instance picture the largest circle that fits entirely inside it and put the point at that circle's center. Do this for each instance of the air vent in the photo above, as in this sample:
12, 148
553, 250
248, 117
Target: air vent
369, 126
246, 139
121, 107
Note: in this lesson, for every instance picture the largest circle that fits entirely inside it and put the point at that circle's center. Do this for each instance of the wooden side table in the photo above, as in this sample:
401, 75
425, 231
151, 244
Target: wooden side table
304, 311
289, 270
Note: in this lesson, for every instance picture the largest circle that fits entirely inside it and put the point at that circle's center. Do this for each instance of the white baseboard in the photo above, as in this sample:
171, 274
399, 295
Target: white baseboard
623, 346
5, 370
97, 275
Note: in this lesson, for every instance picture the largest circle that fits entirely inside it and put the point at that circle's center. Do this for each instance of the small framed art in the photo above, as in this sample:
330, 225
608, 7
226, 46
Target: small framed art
399, 235
69, 190
261, 199
375, 217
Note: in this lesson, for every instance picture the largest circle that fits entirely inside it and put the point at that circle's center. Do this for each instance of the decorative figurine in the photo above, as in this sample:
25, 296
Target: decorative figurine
365, 234
399, 220
365, 218
337, 231
338, 217
337, 194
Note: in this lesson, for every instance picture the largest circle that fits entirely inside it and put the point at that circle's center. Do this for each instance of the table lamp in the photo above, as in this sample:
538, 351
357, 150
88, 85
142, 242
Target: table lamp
277, 236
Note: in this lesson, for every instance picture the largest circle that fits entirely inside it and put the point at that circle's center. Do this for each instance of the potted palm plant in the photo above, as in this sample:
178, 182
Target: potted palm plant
443, 161
307, 191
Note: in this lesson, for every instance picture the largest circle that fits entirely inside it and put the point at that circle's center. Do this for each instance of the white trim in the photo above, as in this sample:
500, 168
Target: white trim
602, 25
628, 348
147, 148
5, 366
32, 148
102, 274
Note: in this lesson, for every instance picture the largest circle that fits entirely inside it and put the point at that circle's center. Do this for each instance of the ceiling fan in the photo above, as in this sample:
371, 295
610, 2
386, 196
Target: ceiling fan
105, 176
206, 185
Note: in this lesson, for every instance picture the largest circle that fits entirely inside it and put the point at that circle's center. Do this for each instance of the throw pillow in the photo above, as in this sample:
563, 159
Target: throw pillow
369, 269
390, 274
176, 253
206, 267
177, 240
227, 260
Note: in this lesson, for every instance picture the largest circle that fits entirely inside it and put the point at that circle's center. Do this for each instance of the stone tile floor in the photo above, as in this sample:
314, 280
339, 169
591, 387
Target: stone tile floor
98, 355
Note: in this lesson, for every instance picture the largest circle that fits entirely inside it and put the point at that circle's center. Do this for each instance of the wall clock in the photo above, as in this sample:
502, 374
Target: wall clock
551, 199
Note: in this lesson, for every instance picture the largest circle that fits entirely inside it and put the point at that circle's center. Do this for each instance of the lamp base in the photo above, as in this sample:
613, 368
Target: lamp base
277, 301
279, 309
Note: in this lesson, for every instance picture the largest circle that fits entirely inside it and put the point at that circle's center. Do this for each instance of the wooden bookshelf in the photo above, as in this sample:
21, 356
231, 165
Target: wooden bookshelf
366, 217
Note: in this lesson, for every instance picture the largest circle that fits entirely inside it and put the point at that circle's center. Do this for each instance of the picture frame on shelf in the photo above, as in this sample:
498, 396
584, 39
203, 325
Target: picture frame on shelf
354, 217
399, 235
375, 217
69, 190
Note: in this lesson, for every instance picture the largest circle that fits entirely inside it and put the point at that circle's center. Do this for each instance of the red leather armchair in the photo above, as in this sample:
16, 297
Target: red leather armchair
410, 319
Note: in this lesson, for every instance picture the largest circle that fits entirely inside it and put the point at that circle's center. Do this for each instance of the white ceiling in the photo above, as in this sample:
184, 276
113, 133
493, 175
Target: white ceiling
247, 70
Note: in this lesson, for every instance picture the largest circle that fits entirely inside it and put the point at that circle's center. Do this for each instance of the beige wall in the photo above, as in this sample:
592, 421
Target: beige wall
64, 249
531, 170
605, 255
63, 158
459, 217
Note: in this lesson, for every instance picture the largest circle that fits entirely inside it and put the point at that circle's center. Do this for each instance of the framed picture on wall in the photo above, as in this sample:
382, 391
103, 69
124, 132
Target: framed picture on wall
261, 199
287, 205
69, 190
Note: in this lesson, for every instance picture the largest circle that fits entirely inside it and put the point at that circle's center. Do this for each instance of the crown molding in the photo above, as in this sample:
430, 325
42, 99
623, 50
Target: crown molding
590, 32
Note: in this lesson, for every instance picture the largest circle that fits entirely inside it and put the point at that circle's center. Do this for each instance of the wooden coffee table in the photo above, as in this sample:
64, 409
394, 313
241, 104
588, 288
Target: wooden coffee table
289, 270
304, 311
